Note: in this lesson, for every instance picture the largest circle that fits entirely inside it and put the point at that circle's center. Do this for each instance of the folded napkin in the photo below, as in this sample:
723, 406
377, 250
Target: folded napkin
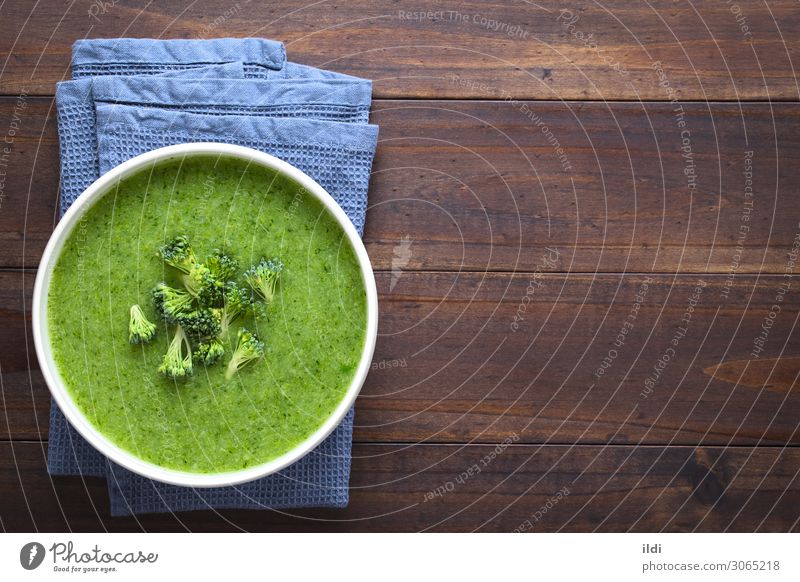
130, 96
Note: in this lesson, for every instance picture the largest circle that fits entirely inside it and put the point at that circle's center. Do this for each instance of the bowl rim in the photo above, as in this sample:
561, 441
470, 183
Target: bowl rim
57, 386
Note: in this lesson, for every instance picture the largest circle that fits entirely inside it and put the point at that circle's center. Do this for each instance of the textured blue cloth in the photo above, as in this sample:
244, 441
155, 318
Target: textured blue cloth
144, 56
130, 96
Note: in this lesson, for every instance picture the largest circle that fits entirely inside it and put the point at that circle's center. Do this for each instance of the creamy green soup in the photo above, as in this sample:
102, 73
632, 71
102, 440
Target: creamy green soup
314, 330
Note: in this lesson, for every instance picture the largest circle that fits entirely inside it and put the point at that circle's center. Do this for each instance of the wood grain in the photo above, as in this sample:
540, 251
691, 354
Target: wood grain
775, 374
478, 186
451, 366
544, 50
400, 488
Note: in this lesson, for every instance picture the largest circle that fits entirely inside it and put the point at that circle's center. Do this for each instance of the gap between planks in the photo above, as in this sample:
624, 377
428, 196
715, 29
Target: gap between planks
49, 97
385, 443
33, 271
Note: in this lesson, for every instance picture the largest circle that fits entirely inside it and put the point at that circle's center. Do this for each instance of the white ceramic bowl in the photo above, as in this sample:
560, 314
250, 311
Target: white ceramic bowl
56, 384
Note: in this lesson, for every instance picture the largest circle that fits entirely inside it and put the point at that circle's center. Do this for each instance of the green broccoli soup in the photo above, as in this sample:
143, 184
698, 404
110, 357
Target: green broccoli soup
207, 314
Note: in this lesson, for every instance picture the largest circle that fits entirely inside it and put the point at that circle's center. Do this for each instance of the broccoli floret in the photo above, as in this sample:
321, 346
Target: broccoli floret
178, 253
248, 349
206, 288
171, 303
264, 276
140, 329
208, 352
201, 323
236, 302
222, 266
178, 359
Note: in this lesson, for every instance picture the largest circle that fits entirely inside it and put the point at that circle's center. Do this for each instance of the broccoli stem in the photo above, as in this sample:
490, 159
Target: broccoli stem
176, 365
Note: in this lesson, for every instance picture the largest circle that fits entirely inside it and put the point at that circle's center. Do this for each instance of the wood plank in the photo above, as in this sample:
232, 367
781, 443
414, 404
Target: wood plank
396, 488
29, 171
542, 50
453, 365
479, 186
493, 192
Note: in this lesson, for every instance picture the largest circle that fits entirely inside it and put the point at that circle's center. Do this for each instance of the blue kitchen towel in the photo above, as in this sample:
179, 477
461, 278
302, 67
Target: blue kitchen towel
145, 56
261, 59
134, 95
345, 100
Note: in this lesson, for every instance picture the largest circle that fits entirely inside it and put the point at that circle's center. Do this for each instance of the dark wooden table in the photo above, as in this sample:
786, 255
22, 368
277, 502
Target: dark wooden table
556, 185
